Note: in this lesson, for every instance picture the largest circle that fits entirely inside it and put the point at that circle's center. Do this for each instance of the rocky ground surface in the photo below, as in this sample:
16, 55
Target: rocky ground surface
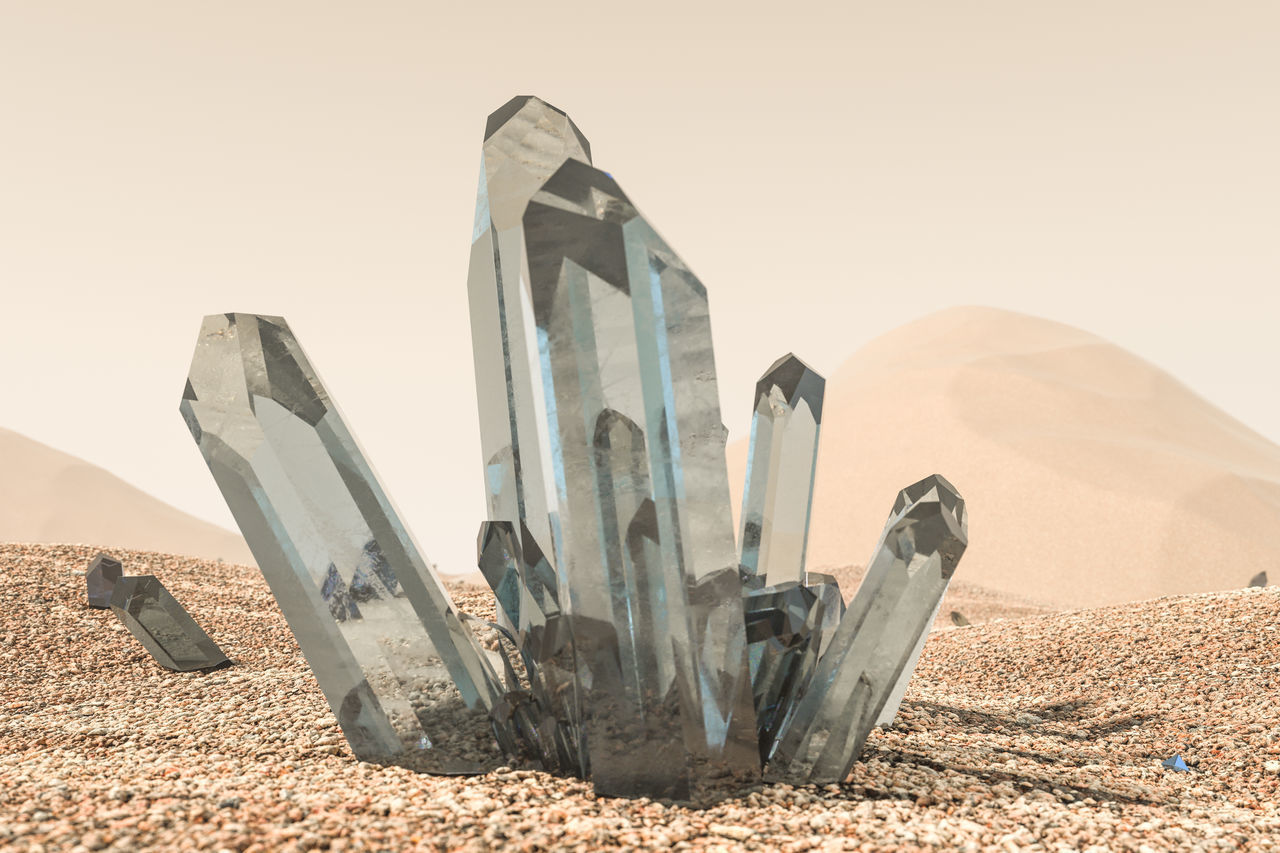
1042, 733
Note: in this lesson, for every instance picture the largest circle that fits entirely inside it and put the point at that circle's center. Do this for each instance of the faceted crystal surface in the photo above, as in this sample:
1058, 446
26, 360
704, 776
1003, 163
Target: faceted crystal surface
603, 438
1175, 763
405, 677
782, 647
781, 462
636, 643
1260, 579
856, 676
163, 626
101, 576
525, 588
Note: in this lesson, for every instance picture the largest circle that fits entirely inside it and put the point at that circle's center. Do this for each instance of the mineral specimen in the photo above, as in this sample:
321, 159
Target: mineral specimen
637, 643
163, 626
405, 678
856, 675
781, 460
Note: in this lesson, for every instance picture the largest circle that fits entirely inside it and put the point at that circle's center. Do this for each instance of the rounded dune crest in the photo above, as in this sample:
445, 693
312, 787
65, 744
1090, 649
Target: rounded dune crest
1092, 476
53, 497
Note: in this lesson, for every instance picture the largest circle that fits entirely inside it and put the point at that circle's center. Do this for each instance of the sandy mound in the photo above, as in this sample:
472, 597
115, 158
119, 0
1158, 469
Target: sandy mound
50, 496
1091, 476
1043, 733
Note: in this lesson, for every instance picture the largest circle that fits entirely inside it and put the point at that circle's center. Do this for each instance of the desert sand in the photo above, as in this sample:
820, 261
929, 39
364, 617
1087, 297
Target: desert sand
1044, 733
1091, 476
50, 496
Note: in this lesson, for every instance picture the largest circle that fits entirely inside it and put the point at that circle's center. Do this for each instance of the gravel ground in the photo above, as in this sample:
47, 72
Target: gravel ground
1041, 733
975, 603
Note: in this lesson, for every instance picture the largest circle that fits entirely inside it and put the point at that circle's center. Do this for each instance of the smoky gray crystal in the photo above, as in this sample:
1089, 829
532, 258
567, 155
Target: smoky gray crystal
404, 675
163, 626
1260, 579
100, 578
874, 645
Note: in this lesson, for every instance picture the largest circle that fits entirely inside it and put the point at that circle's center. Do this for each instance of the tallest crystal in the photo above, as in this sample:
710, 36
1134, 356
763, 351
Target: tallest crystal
525, 143
602, 437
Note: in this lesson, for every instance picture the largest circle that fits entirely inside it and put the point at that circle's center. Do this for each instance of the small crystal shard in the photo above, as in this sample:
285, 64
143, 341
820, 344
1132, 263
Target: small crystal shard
958, 619
403, 674
1260, 579
1175, 763
781, 463
163, 626
918, 552
100, 579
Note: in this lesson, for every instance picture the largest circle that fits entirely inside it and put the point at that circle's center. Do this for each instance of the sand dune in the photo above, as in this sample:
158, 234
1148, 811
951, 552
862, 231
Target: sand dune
50, 496
1092, 477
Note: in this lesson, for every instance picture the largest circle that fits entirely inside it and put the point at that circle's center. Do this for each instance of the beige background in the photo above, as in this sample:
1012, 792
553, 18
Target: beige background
829, 173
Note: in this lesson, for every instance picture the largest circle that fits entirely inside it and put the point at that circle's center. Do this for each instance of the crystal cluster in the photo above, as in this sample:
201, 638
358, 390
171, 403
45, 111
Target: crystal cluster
638, 642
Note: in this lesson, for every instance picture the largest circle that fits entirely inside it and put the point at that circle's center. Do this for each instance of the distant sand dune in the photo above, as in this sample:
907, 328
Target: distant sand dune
1092, 477
50, 496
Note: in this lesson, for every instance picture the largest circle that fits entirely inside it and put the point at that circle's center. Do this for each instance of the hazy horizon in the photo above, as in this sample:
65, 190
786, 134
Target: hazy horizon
829, 176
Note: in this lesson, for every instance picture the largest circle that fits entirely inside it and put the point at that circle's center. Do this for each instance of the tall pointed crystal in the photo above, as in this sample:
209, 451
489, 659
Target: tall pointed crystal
617, 455
402, 673
918, 552
526, 141
781, 462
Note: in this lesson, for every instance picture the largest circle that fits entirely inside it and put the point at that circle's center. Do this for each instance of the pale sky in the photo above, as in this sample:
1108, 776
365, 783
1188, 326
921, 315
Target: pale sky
829, 170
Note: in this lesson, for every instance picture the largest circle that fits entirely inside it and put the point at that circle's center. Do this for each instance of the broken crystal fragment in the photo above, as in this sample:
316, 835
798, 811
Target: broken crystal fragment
781, 463
100, 578
1175, 763
958, 619
401, 671
1260, 579
602, 436
783, 645
524, 587
827, 727
163, 626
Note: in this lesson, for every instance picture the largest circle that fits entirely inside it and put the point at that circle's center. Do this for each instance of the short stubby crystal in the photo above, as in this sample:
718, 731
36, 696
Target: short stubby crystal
100, 578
